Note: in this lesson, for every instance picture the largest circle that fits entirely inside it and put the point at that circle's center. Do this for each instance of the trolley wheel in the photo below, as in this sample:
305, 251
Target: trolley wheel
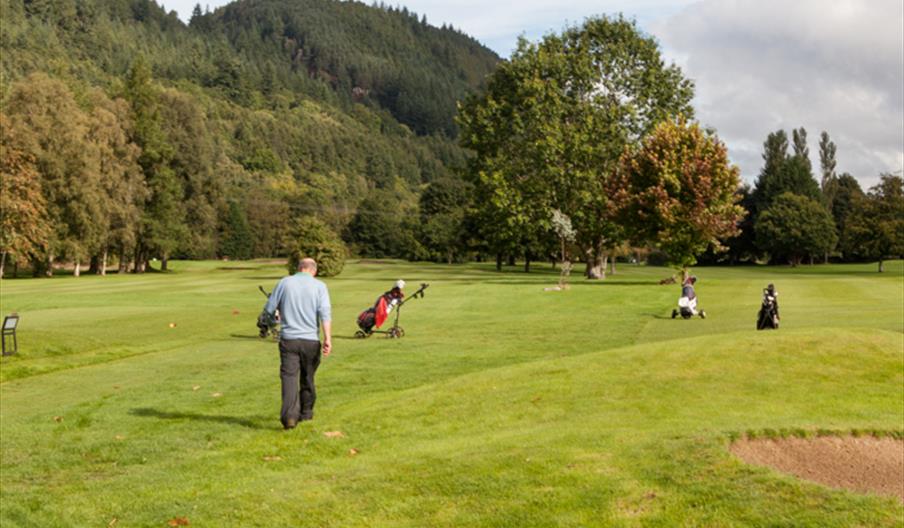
360, 334
674, 314
396, 332
702, 314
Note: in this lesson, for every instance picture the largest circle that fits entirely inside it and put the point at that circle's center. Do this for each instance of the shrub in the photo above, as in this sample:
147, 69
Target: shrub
312, 238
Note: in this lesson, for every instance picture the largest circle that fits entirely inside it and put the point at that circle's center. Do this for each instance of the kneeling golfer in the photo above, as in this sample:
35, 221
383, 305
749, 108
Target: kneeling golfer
304, 305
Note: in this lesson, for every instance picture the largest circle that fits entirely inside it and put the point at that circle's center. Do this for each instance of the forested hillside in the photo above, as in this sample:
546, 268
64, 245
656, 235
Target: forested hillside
149, 138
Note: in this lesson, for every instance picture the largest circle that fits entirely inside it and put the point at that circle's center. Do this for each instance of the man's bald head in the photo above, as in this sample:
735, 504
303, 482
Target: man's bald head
308, 265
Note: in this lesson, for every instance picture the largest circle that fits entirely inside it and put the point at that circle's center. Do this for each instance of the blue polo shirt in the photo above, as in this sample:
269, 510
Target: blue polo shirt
303, 303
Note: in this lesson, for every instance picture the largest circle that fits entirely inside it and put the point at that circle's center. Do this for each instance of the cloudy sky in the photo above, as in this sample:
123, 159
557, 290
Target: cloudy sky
759, 65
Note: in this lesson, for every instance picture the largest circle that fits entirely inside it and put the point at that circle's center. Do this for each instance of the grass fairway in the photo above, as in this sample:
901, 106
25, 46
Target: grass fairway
504, 405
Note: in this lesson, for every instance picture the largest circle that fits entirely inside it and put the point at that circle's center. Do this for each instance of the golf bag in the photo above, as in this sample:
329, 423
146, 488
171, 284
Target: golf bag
768, 314
376, 315
267, 324
687, 303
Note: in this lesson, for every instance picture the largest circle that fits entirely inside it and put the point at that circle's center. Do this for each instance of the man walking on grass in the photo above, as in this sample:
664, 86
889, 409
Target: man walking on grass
304, 306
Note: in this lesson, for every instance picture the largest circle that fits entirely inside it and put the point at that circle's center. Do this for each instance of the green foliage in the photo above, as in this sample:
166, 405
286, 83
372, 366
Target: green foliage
782, 173
677, 191
795, 226
311, 238
236, 239
875, 227
378, 228
441, 231
845, 196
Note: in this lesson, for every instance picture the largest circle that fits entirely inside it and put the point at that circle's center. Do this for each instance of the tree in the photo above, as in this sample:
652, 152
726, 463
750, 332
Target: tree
827, 165
376, 229
443, 205
236, 241
121, 178
67, 162
24, 226
312, 238
875, 228
678, 190
782, 173
549, 129
795, 226
162, 228
845, 197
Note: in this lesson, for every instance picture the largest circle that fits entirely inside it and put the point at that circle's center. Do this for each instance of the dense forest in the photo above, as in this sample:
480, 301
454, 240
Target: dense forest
129, 136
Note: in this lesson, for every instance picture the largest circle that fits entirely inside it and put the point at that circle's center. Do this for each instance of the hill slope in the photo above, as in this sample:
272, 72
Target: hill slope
307, 104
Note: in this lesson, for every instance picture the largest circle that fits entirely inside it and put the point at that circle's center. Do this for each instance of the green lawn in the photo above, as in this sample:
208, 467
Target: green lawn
504, 405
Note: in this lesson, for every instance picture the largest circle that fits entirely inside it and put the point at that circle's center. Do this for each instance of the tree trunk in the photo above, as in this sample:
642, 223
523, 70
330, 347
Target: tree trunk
103, 263
94, 265
881, 266
527, 264
795, 261
163, 261
596, 263
511, 260
15, 268
613, 266
49, 271
2, 263
449, 256
76, 272
123, 263
811, 260
684, 275
498, 261
826, 258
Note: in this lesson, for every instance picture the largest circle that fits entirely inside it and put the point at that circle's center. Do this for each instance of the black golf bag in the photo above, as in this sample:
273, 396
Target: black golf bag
768, 314
268, 324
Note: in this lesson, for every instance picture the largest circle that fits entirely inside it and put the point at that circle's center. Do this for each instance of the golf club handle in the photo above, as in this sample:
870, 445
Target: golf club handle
261, 288
414, 295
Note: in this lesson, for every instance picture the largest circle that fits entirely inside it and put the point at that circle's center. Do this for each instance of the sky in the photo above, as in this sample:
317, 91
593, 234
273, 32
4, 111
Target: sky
758, 65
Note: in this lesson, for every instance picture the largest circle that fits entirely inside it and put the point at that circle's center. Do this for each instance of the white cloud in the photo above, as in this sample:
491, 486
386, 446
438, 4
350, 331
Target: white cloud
760, 66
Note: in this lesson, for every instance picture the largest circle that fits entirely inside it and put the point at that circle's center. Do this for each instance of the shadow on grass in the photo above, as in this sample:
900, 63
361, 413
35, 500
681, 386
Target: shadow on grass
657, 316
254, 337
169, 415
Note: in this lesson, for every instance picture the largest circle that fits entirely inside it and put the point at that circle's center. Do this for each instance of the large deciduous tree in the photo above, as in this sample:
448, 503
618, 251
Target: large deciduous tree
678, 191
550, 127
24, 227
68, 165
795, 226
875, 228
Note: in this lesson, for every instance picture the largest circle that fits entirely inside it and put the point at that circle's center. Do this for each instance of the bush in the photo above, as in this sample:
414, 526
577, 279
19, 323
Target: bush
312, 238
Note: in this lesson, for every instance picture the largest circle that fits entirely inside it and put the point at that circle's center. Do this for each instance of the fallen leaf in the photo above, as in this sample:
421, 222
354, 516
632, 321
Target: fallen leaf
195, 387
116, 386
272, 458
178, 521
235, 312
217, 394
334, 434
112, 522
57, 418
353, 452
172, 325
119, 437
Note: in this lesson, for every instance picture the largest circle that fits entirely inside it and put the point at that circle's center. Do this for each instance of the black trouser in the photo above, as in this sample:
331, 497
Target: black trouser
298, 358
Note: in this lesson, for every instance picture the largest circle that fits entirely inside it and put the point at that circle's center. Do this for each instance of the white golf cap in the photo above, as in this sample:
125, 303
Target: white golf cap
400, 284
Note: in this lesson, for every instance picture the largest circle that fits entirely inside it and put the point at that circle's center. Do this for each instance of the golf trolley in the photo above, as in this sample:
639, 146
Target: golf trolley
267, 324
768, 314
367, 319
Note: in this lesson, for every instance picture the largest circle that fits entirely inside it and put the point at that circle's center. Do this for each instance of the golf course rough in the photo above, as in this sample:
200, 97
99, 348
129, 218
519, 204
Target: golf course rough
504, 404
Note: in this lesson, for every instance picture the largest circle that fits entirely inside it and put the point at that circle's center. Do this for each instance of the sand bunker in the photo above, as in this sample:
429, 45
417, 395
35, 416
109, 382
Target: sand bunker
864, 464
